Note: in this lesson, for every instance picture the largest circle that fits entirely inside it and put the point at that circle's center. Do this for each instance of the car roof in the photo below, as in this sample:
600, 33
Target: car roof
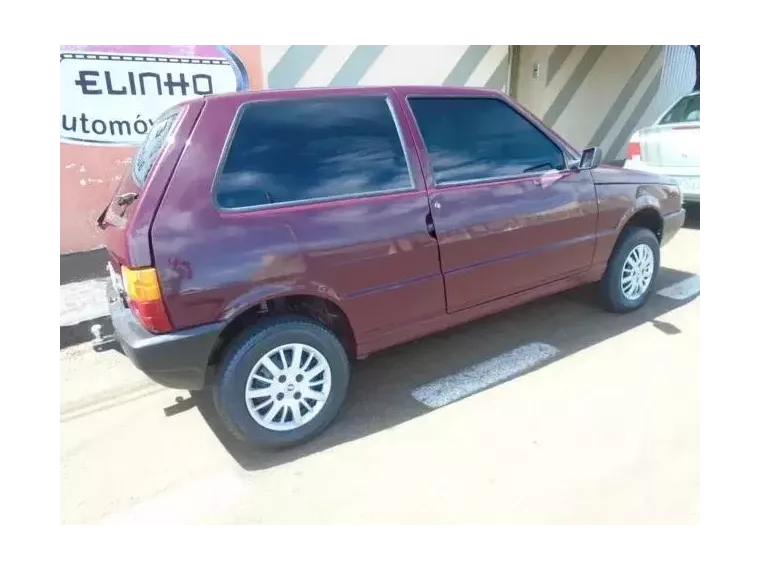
354, 90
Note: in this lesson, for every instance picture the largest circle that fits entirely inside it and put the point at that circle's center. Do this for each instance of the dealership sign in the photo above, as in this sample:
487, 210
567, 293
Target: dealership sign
112, 98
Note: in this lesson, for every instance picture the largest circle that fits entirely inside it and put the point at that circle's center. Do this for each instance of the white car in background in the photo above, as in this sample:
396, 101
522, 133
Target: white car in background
671, 146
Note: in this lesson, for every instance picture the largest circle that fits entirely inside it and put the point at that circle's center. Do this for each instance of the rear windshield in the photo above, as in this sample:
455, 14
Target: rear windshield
685, 111
154, 142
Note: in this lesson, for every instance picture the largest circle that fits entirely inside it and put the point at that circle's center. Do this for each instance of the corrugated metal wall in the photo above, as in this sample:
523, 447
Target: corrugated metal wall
678, 76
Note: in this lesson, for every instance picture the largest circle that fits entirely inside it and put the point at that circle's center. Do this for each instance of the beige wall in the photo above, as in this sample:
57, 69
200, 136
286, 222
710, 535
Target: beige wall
591, 95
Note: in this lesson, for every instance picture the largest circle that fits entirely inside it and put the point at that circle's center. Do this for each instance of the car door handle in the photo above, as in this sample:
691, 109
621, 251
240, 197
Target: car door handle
430, 226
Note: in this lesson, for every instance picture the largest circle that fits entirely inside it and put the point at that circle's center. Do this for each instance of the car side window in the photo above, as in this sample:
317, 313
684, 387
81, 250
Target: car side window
304, 149
470, 139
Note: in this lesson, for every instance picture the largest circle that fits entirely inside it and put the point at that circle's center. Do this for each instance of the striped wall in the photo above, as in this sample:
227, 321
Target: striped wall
590, 94
316, 66
599, 95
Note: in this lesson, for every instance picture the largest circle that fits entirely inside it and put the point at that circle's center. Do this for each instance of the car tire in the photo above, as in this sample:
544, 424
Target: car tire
245, 417
615, 294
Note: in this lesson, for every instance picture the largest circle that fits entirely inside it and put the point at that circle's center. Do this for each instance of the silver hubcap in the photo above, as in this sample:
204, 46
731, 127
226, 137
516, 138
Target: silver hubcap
638, 270
288, 387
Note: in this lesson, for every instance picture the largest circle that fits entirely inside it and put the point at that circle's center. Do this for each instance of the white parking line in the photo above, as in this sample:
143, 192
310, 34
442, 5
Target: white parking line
681, 290
182, 505
479, 376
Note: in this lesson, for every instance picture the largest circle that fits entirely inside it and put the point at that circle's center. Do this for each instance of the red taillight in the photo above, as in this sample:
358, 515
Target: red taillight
144, 298
634, 150
152, 315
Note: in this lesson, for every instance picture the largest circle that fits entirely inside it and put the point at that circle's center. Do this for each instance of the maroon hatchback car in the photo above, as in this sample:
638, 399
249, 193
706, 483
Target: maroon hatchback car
261, 241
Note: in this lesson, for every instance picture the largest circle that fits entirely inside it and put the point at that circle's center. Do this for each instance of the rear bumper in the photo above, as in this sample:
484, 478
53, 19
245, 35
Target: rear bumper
175, 360
671, 224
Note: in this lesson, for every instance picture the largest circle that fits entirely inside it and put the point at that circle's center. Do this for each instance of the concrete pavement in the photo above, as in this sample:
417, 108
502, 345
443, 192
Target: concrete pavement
83, 304
605, 431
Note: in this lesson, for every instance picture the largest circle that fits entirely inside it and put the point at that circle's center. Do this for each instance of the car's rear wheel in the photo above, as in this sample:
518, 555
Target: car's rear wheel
281, 382
631, 271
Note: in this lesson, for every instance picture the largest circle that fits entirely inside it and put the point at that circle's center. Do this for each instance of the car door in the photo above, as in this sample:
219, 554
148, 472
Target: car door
508, 213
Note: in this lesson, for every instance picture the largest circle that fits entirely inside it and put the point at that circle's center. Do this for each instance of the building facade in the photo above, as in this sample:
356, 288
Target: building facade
110, 94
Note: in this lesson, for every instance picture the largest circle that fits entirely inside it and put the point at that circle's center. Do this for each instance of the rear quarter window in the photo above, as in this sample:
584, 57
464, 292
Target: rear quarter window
300, 150
147, 154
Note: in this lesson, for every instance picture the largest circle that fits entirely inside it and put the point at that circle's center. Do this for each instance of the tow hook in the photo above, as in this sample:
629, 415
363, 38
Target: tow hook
102, 343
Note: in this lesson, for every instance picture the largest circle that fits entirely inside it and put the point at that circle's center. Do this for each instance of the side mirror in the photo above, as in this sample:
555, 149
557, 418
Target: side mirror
590, 158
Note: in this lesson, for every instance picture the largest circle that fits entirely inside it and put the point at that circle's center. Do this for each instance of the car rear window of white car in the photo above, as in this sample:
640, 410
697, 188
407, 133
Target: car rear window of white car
685, 111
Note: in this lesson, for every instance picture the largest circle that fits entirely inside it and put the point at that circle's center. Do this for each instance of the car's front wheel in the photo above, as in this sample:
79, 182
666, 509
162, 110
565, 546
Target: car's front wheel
281, 382
631, 271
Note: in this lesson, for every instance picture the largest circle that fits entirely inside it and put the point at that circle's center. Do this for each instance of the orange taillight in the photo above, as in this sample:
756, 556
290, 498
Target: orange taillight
141, 284
144, 297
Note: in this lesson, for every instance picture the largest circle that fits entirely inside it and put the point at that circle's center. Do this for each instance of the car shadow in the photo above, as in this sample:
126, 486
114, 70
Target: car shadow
379, 395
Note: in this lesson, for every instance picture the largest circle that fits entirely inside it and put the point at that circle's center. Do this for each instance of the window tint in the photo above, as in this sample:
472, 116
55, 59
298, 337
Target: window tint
685, 111
304, 149
471, 139
146, 155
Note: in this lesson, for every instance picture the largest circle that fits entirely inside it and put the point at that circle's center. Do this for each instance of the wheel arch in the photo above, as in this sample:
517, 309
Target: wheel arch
647, 216
320, 308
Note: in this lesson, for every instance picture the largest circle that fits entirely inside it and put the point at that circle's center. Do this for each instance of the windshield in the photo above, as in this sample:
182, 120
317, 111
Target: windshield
685, 111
